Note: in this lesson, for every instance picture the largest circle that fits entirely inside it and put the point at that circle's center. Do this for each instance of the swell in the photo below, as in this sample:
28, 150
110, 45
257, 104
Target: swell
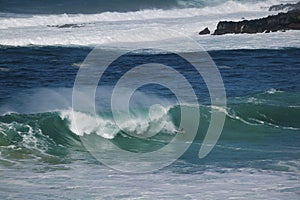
53, 133
9, 20
110, 26
98, 6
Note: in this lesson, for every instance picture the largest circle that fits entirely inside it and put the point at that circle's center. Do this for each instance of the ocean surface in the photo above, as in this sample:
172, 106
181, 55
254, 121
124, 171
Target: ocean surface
42, 153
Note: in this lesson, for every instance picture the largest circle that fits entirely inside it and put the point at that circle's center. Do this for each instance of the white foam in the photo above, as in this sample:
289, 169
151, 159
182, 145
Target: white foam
43, 20
241, 183
113, 27
82, 123
87, 124
28, 134
273, 91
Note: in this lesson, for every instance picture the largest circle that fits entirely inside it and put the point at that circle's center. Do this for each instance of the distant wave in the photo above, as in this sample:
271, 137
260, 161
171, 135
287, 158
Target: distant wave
227, 7
107, 27
99, 6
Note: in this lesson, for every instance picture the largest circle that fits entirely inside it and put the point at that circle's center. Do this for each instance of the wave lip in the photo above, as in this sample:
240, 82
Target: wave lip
142, 123
47, 136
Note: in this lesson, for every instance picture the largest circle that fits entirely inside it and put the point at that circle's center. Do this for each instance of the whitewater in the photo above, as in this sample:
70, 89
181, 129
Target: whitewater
50, 150
109, 27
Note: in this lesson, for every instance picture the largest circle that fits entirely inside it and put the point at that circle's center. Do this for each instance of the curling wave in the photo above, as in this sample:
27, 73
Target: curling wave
48, 133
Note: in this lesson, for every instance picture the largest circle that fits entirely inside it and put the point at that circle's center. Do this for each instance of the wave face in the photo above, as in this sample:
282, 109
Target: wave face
128, 21
249, 119
42, 156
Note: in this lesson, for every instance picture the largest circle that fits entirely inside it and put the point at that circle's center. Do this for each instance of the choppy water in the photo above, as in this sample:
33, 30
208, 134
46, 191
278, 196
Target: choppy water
104, 22
257, 155
42, 153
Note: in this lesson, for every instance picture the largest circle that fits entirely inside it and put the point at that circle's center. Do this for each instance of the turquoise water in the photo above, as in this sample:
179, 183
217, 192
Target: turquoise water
42, 155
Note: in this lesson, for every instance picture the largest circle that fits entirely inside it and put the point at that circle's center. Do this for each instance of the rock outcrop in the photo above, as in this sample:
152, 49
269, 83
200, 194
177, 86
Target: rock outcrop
279, 22
67, 26
288, 6
204, 31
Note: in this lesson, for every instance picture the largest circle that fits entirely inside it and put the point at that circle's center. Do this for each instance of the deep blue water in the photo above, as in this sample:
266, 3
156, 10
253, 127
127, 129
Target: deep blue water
261, 131
244, 72
97, 6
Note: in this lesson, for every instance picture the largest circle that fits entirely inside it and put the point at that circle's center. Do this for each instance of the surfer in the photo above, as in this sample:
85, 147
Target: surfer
180, 131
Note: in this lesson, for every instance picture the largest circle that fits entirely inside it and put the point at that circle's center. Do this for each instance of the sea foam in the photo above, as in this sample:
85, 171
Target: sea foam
114, 27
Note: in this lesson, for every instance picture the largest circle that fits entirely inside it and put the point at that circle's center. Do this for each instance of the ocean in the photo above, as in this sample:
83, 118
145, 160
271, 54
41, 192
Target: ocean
56, 143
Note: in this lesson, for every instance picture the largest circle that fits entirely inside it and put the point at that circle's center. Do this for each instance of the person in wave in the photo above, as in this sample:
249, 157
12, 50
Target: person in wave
180, 131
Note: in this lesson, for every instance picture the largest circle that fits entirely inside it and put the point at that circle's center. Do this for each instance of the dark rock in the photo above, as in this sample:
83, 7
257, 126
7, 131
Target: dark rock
204, 31
281, 21
67, 26
288, 6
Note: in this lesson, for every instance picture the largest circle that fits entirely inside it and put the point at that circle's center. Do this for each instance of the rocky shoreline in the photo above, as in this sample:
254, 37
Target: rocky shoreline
280, 22
288, 6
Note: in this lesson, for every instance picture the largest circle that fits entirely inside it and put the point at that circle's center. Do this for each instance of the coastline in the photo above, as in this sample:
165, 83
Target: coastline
289, 20
50, 150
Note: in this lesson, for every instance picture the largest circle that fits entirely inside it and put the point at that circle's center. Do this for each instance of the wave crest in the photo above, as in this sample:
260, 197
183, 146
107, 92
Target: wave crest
140, 125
